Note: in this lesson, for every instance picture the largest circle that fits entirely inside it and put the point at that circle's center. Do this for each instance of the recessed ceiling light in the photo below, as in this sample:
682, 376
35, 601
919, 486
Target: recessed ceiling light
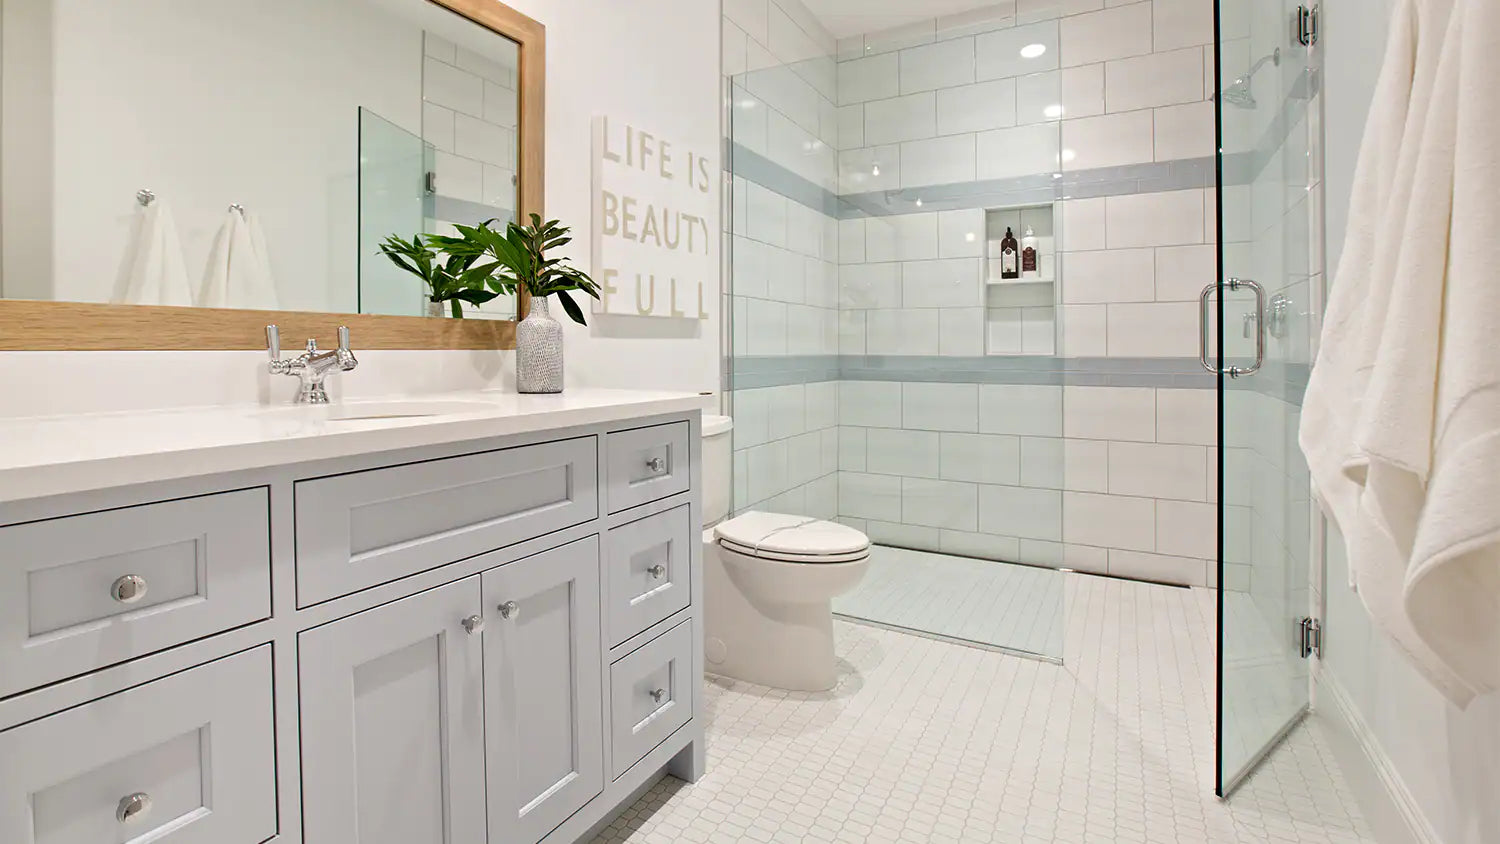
1031, 51
1069, 155
969, 237
1053, 111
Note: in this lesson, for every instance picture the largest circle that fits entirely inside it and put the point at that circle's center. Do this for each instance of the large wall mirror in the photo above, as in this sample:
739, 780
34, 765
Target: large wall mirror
183, 167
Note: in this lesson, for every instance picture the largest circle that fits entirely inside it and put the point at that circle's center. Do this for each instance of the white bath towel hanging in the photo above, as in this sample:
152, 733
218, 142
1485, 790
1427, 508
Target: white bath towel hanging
1448, 448
262, 252
1373, 418
152, 271
236, 276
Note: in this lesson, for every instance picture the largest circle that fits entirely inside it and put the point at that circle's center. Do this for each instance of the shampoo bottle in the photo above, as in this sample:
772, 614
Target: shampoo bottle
1009, 256
1028, 254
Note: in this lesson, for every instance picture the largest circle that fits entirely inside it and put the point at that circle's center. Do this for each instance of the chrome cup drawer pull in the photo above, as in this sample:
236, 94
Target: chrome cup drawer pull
133, 807
128, 589
510, 609
657, 571
657, 695
657, 464
473, 624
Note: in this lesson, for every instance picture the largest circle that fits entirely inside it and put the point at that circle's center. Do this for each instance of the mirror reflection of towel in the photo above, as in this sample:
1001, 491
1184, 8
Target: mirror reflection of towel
238, 273
152, 271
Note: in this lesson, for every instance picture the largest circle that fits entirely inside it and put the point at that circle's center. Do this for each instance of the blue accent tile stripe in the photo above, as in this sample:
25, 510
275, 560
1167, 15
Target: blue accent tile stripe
1184, 373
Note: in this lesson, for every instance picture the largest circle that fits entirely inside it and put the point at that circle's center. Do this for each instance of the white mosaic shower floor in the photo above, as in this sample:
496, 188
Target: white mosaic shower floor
927, 741
1000, 604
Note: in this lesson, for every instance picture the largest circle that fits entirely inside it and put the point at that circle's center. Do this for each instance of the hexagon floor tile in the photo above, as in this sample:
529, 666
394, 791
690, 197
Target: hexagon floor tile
927, 741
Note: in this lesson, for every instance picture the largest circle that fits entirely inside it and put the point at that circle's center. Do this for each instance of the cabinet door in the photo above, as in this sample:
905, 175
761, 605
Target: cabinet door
393, 723
544, 706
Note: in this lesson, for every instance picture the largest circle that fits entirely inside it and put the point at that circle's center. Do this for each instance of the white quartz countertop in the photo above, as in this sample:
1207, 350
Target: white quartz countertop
42, 456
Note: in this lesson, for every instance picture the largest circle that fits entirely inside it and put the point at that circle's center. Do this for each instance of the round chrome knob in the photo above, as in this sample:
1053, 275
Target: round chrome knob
510, 609
128, 589
473, 624
657, 464
657, 571
133, 807
658, 694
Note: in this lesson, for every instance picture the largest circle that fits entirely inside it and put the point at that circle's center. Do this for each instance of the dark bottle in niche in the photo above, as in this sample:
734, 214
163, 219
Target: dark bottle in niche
1010, 266
1028, 253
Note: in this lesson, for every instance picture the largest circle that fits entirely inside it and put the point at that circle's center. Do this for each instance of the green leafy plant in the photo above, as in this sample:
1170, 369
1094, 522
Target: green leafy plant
482, 263
454, 279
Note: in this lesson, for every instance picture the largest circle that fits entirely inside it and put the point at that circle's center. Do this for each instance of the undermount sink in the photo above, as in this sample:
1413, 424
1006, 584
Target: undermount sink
400, 409
372, 411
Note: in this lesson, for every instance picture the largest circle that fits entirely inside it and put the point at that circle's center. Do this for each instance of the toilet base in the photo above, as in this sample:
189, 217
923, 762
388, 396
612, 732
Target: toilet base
784, 645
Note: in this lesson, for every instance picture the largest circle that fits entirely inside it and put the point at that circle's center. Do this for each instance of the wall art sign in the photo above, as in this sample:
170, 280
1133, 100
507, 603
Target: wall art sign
652, 205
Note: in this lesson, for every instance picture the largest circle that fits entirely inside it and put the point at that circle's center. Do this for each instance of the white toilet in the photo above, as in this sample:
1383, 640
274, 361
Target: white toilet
769, 582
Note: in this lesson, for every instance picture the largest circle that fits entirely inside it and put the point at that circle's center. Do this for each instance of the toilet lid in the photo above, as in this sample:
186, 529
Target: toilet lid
775, 536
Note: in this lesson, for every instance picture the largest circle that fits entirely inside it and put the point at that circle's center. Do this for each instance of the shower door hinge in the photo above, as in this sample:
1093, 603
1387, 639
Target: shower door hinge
1311, 632
429, 182
1306, 25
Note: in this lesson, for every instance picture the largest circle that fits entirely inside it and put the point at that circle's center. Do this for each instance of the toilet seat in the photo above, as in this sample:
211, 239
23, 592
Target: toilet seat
792, 539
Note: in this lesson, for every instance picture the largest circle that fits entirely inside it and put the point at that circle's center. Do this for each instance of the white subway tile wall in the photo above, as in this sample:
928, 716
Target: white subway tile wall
1099, 469
1014, 90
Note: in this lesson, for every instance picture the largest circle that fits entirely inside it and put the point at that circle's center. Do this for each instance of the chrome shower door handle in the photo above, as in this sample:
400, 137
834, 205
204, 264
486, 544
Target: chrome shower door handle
1260, 327
1203, 298
1258, 318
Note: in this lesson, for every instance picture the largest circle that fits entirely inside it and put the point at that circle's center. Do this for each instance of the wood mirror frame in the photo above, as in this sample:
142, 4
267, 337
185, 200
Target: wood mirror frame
39, 325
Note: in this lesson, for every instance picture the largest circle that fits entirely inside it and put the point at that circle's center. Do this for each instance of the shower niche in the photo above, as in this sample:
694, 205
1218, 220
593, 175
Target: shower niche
1021, 313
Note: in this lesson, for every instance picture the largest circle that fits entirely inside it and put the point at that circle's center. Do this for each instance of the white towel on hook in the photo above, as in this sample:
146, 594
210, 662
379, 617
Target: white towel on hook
237, 276
1401, 423
1357, 304
1433, 435
262, 252
152, 271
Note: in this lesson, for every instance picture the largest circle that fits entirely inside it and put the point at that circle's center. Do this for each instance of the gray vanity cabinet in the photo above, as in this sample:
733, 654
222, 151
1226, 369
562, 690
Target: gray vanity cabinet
486, 641
544, 707
393, 722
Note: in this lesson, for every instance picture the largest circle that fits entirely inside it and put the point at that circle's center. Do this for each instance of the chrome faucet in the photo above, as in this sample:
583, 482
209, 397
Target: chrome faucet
312, 366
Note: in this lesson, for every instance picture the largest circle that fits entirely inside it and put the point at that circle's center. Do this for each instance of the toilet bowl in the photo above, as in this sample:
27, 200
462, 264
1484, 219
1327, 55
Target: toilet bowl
769, 583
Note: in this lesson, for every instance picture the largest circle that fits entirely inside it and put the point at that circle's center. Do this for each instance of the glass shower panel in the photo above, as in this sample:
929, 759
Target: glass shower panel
392, 166
1264, 295
885, 369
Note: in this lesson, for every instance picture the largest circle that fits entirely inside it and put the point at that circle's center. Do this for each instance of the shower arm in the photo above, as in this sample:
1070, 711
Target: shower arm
1274, 57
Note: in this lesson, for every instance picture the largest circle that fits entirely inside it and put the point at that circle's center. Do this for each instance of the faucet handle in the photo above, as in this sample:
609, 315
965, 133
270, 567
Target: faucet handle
273, 342
343, 338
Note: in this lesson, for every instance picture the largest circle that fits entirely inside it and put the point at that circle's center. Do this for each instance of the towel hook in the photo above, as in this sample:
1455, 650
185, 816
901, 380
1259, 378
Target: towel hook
145, 196
235, 206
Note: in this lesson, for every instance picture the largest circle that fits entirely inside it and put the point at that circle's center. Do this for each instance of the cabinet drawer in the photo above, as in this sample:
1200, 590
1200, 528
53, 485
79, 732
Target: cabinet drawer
647, 464
367, 528
200, 565
647, 572
651, 695
197, 747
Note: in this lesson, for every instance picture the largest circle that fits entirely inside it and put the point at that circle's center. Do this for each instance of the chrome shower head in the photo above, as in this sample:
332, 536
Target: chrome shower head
1238, 94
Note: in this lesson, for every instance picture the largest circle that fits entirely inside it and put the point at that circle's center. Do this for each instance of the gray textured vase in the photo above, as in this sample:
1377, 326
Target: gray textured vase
539, 351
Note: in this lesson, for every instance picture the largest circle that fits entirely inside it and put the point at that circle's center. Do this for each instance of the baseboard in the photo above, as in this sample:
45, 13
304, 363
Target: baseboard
1380, 768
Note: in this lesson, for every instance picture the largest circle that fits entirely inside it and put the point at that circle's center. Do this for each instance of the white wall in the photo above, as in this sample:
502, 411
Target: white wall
1447, 760
655, 64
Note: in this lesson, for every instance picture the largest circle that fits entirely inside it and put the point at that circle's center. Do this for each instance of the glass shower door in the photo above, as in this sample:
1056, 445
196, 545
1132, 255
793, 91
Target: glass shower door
392, 164
1262, 352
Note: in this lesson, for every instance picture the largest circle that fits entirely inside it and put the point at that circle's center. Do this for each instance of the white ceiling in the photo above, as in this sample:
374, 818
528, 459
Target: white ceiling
844, 18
